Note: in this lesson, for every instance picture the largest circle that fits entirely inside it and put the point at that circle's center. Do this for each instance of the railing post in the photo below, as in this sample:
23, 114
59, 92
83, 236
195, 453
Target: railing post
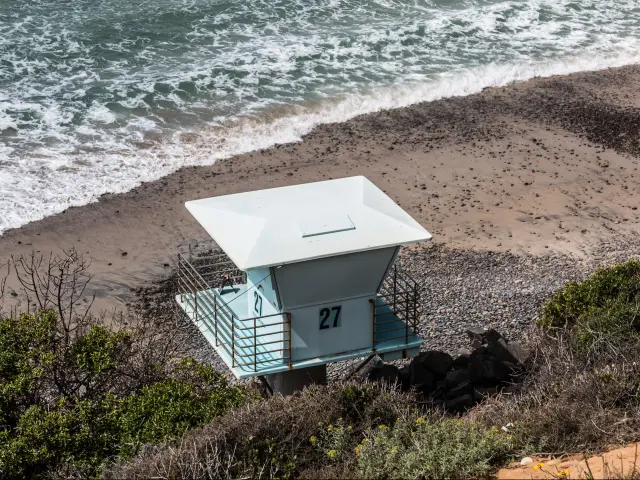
180, 274
215, 315
395, 286
289, 342
233, 341
406, 320
255, 348
373, 321
415, 305
195, 299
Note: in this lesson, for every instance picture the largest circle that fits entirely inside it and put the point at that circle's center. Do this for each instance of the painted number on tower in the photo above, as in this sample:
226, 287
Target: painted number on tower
330, 317
257, 305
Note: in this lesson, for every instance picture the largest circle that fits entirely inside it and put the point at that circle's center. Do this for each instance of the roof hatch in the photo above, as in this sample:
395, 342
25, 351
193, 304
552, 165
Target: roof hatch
325, 224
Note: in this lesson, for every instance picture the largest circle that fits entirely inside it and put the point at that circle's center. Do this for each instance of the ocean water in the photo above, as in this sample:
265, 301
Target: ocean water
98, 97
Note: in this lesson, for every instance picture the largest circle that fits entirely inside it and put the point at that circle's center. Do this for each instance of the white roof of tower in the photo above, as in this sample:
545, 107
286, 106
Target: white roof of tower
282, 225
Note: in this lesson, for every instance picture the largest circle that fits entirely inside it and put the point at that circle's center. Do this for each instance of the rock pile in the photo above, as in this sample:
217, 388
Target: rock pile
458, 383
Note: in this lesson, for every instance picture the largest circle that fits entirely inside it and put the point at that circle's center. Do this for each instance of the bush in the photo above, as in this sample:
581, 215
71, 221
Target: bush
583, 389
300, 435
70, 400
580, 411
431, 448
606, 306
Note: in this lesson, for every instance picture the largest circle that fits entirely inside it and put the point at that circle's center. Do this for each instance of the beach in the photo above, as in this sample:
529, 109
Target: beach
546, 166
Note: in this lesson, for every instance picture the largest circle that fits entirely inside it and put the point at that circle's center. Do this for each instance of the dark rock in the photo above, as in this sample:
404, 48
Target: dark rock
459, 403
500, 350
405, 378
440, 390
509, 352
480, 336
484, 367
456, 377
519, 352
461, 361
438, 363
480, 393
478, 351
461, 389
420, 377
386, 373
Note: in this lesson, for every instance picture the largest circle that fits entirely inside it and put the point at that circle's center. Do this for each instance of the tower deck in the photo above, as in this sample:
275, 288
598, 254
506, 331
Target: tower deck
218, 298
252, 346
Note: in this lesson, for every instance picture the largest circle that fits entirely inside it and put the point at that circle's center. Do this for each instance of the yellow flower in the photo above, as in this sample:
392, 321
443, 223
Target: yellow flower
332, 454
313, 439
563, 473
329, 428
383, 427
538, 466
420, 420
357, 450
394, 450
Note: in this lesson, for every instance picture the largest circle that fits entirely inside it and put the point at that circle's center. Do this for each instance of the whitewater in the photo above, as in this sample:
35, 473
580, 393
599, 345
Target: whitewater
98, 97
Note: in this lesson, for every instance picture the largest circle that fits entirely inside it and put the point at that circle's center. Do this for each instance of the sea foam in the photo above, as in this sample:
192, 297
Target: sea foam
97, 99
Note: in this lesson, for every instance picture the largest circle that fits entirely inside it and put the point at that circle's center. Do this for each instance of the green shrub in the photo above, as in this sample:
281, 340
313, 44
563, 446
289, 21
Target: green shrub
72, 399
606, 307
336, 441
431, 448
280, 437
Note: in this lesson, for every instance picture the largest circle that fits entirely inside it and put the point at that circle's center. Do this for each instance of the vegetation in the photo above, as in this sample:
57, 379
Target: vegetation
74, 393
80, 399
431, 449
583, 392
282, 437
603, 308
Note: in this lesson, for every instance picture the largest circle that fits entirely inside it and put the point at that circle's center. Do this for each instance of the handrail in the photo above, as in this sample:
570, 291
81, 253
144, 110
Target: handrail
248, 342
398, 297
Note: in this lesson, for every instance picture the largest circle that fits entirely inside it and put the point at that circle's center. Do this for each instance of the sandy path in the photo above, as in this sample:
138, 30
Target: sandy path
549, 164
622, 462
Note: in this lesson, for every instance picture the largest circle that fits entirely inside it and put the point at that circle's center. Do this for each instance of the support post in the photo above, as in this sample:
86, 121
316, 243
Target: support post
291, 381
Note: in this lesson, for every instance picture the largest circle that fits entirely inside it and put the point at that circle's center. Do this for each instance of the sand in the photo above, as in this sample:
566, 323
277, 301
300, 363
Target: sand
621, 462
545, 165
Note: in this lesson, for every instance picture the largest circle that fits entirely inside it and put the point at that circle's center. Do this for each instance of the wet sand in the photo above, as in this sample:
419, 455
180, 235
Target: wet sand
548, 165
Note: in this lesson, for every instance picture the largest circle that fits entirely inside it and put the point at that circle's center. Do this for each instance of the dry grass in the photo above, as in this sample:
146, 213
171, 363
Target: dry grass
572, 401
270, 438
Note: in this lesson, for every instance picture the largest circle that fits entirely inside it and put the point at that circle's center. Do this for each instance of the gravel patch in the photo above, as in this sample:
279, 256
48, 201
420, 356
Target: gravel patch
464, 289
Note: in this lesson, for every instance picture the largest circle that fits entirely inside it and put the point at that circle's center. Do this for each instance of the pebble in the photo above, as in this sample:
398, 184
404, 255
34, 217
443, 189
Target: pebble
463, 288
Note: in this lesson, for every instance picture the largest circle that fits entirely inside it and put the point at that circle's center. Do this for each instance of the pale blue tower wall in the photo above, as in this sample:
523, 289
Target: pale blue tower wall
330, 301
262, 294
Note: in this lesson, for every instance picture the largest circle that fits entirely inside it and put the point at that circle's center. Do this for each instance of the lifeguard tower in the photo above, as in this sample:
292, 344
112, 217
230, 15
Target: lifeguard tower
297, 277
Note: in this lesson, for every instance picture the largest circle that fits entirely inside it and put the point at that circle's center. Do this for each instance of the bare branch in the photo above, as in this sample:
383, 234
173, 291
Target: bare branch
3, 284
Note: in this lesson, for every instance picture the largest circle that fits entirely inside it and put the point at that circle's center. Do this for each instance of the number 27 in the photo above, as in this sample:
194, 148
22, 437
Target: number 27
325, 313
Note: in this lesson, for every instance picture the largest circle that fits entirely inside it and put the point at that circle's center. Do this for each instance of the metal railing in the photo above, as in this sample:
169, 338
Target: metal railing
399, 297
249, 342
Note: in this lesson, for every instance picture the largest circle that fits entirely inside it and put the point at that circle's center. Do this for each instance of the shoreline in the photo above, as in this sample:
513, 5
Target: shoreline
279, 124
545, 165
